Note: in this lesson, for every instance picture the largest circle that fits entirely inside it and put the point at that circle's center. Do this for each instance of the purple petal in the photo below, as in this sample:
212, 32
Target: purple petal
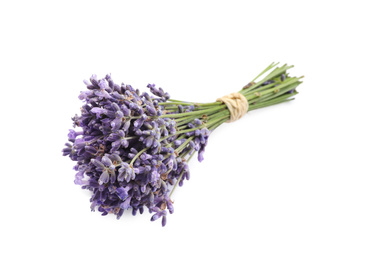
104, 178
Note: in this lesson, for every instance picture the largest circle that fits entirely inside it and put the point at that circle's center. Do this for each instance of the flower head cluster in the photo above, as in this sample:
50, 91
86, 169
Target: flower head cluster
128, 154
132, 149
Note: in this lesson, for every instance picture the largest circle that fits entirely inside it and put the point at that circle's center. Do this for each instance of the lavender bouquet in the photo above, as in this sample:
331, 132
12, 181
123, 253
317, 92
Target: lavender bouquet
132, 149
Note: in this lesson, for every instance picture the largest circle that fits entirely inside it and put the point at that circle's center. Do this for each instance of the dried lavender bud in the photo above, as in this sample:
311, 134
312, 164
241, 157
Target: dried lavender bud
164, 221
268, 82
282, 77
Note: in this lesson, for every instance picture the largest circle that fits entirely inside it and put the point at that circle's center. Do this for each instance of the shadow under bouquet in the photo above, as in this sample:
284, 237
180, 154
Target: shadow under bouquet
132, 149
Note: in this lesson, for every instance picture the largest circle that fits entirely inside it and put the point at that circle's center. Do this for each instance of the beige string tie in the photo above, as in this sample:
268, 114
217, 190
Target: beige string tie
237, 105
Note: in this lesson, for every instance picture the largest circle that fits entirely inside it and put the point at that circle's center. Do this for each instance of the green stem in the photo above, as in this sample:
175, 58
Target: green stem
137, 155
183, 145
200, 112
171, 102
272, 65
275, 101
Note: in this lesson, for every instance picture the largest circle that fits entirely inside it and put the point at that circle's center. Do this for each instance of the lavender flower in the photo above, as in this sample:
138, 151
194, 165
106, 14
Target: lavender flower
132, 150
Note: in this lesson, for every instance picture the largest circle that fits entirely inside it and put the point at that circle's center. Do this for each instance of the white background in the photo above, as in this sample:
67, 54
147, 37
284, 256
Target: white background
285, 182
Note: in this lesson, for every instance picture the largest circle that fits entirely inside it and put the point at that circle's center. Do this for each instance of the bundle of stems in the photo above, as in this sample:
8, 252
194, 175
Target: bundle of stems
275, 88
133, 149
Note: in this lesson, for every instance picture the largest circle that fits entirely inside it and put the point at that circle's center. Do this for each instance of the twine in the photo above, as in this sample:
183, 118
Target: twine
237, 105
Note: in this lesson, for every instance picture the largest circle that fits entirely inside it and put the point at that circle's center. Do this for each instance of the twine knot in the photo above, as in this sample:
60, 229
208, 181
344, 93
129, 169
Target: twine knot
237, 105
